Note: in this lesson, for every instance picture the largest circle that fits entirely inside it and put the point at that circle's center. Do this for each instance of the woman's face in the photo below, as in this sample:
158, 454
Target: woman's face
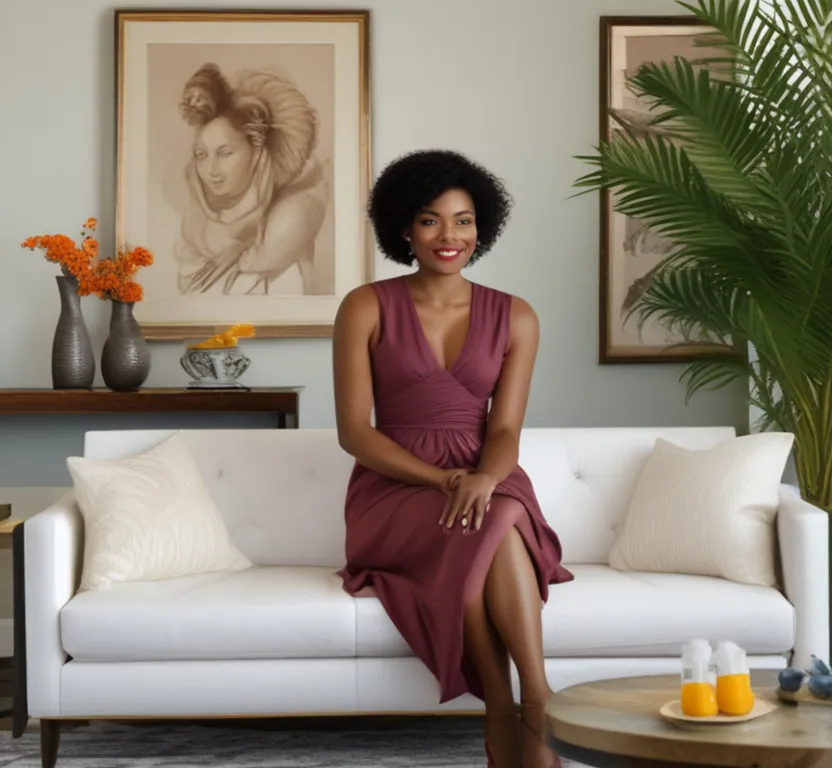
443, 236
224, 158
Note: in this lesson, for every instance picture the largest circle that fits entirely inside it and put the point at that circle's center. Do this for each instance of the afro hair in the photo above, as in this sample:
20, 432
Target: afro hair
411, 182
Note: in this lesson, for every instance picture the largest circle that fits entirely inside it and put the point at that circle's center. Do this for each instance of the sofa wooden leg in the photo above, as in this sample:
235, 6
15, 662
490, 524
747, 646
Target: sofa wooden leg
20, 706
50, 738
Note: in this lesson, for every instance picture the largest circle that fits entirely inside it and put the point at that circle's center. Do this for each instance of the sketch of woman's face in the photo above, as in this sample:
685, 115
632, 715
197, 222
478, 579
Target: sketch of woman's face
224, 158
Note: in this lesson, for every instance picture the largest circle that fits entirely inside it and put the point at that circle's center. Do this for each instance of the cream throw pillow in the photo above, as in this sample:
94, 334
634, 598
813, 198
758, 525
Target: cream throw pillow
707, 512
149, 517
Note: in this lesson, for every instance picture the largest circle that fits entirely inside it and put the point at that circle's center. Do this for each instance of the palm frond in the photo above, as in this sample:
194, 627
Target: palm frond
780, 54
712, 373
656, 180
683, 301
700, 111
734, 168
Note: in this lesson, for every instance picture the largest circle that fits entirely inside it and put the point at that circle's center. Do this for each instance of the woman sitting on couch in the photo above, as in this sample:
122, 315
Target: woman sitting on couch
441, 521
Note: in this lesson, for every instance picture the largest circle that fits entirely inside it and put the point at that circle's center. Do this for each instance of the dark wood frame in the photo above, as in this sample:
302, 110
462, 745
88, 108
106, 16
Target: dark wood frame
169, 330
605, 356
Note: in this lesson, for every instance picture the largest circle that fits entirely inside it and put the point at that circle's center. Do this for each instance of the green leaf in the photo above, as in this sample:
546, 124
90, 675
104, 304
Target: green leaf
734, 167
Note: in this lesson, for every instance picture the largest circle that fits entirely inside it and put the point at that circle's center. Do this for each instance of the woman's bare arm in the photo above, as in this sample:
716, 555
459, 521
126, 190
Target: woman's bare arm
502, 441
355, 324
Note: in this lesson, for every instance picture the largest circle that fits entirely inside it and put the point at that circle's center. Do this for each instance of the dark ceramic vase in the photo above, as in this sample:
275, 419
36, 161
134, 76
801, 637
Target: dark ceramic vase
73, 361
125, 359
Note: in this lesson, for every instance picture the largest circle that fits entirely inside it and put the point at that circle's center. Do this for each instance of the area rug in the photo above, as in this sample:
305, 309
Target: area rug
451, 742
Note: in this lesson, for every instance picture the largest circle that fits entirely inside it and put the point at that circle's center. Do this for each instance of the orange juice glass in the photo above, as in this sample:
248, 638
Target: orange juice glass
698, 694
699, 699
734, 695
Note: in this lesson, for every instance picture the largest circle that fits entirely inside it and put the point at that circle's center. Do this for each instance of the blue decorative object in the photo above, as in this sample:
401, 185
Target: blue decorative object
791, 679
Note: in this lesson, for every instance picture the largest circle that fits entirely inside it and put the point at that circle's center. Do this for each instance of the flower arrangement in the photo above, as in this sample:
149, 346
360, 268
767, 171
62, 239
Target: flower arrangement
113, 278
226, 339
62, 250
106, 278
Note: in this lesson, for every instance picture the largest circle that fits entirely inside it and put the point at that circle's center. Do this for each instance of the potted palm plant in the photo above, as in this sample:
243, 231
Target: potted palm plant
739, 178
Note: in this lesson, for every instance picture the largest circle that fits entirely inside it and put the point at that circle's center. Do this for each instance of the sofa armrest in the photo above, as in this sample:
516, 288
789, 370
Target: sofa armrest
803, 533
53, 556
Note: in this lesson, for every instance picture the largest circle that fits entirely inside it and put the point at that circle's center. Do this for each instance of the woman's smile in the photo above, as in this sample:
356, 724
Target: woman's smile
447, 254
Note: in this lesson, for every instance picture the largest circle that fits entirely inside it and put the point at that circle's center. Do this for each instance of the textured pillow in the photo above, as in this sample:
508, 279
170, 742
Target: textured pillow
708, 512
149, 517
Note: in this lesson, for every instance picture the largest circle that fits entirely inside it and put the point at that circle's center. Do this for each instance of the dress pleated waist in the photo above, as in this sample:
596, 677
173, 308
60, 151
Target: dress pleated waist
398, 413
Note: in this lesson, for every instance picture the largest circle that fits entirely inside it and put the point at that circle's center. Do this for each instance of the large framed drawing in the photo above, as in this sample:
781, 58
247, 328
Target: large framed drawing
630, 251
244, 166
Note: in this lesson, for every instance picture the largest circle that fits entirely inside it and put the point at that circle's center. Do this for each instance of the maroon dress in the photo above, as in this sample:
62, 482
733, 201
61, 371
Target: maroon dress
422, 574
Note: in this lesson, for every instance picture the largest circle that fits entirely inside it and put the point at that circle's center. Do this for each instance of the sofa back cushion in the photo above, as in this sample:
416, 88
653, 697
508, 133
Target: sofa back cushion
281, 492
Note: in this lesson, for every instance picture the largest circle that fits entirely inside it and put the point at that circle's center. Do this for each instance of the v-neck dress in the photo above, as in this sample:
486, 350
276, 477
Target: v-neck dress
422, 574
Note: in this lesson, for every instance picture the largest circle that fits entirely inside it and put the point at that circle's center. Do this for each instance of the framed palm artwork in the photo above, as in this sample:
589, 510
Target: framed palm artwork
630, 251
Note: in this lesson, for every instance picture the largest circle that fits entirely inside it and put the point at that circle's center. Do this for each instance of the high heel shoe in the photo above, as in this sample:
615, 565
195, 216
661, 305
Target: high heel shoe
536, 729
499, 719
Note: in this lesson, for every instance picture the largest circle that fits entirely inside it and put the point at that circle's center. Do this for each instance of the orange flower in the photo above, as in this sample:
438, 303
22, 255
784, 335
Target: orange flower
130, 292
112, 278
90, 246
106, 278
62, 250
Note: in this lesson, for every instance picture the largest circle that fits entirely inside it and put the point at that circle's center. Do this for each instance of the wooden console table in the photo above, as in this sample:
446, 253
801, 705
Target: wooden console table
284, 402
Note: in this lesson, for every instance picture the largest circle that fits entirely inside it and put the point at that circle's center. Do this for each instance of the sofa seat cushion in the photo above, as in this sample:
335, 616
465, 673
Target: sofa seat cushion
609, 613
260, 613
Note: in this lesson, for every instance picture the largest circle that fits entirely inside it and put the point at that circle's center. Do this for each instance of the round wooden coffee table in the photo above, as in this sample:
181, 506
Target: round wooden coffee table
616, 723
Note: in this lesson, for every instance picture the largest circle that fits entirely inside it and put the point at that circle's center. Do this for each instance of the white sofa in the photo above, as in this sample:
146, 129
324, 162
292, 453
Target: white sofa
284, 638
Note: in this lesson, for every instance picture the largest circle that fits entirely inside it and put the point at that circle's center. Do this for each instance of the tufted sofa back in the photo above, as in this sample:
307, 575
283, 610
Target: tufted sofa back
281, 492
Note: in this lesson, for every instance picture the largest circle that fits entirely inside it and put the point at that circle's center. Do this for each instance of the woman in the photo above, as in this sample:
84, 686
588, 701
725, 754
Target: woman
257, 196
441, 521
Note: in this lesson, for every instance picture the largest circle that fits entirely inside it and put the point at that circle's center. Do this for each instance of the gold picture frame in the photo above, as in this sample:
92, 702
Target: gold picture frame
244, 166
